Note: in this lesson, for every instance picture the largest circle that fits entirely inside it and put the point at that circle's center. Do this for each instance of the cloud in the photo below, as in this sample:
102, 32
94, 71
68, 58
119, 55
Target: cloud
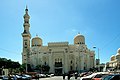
74, 30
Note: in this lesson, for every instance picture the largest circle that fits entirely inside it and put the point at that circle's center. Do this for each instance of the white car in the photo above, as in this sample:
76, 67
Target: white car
42, 75
3, 77
92, 75
25, 76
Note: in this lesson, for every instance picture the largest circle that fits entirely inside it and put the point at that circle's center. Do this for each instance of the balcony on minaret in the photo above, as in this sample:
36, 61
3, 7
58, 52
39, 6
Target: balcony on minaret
26, 24
25, 32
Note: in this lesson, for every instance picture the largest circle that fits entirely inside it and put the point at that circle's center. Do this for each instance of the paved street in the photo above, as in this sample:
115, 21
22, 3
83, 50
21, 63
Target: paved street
57, 78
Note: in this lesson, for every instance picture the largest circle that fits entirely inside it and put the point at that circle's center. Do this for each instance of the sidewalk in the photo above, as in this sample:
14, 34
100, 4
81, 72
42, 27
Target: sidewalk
72, 78
59, 78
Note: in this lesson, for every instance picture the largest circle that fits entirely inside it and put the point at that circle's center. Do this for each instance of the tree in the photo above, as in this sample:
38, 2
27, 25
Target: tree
38, 68
22, 68
9, 64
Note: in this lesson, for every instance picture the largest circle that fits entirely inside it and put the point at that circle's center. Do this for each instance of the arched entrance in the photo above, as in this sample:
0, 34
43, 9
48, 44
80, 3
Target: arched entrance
58, 68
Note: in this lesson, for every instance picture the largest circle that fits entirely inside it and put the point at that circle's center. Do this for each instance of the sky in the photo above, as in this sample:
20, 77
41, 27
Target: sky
59, 21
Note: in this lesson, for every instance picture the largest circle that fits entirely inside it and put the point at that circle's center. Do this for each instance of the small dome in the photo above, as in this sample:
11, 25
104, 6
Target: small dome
36, 41
113, 57
117, 54
118, 51
79, 39
78, 35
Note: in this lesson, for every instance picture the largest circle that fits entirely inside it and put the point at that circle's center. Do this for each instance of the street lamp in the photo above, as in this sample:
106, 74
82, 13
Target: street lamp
2, 70
98, 51
97, 60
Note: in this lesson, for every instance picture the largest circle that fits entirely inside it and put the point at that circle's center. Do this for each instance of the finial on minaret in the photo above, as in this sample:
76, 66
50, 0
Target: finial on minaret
26, 8
36, 35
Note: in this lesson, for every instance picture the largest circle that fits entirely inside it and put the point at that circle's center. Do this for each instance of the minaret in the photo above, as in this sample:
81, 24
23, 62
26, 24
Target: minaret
26, 38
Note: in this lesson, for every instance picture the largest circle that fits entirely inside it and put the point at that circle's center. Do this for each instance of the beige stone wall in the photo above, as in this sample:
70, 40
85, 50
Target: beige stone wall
72, 55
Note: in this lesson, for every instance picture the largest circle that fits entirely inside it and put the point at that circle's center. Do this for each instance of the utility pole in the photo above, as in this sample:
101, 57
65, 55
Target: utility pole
98, 54
97, 60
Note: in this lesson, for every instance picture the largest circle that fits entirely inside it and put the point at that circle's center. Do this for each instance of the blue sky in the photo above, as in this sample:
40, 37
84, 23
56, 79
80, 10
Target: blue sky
61, 20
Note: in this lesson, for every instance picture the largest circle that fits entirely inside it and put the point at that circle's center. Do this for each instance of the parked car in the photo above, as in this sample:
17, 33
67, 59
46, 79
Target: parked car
85, 74
42, 75
99, 76
19, 77
26, 77
23, 77
112, 77
3, 78
92, 75
89, 77
52, 74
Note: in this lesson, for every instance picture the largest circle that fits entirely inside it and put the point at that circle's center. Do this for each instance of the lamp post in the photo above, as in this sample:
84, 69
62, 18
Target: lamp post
98, 52
2, 70
26, 66
97, 60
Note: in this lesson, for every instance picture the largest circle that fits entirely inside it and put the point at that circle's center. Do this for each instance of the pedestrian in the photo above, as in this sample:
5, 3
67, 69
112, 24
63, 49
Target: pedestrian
63, 76
9, 77
68, 76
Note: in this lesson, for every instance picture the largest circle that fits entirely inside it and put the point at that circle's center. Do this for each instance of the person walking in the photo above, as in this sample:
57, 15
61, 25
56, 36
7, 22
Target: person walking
63, 76
68, 76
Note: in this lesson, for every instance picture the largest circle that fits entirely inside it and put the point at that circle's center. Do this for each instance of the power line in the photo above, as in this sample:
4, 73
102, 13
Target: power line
111, 41
8, 51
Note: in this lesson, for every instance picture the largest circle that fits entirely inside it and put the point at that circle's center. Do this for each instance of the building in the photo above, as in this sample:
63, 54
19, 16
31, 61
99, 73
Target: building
60, 56
115, 60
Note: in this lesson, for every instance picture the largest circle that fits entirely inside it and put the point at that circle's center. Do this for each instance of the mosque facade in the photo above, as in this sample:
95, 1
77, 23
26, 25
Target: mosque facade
59, 56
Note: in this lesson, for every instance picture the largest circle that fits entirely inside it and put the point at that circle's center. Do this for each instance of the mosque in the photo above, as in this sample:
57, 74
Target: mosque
59, 56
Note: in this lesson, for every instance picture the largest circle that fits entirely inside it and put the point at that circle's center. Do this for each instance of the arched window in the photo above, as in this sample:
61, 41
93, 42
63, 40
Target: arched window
55, 60
60, 60
71, 68
71, 62
45, 63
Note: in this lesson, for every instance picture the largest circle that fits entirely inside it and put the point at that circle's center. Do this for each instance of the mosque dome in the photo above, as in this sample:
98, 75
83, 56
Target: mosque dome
118, 51
79, 39
36, 41
113, 57
118, 57
118, 54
